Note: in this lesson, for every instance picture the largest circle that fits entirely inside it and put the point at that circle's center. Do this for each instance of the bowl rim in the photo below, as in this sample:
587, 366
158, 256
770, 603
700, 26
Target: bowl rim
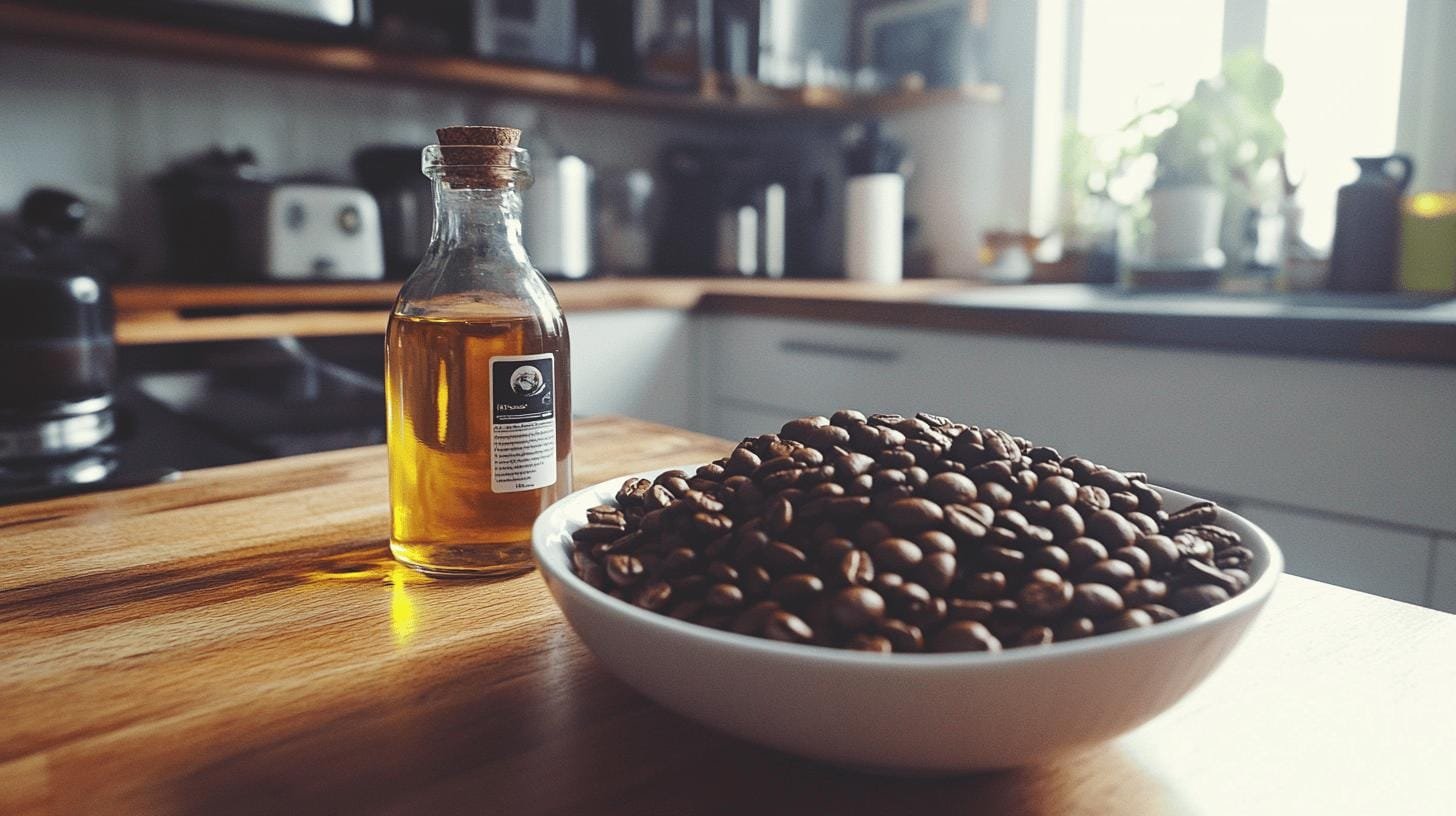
1247, 601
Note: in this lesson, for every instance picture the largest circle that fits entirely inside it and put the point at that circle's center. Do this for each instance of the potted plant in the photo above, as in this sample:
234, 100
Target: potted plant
1208, 150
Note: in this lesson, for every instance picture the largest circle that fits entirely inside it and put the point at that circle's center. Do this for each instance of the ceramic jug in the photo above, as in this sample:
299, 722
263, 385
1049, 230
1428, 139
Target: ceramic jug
1367, 226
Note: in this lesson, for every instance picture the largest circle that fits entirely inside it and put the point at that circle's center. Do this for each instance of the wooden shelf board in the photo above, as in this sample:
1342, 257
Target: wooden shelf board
34, 24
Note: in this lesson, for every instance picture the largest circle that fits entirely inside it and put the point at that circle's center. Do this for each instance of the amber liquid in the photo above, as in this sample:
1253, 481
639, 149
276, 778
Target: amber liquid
445, 519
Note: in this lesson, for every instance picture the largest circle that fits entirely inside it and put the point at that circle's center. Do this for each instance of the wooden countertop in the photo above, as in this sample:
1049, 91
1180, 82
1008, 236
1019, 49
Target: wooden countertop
1363, 327
240, 642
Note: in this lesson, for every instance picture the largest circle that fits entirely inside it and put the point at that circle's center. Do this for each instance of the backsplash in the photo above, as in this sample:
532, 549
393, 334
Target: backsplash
102, 125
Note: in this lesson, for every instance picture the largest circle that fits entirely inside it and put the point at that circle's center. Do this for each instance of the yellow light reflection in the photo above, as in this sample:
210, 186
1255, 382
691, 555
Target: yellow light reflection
442, 404
403, 618
1432, 205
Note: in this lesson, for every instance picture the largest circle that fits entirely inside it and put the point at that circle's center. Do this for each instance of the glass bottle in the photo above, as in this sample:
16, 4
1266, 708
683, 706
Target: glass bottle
478, 372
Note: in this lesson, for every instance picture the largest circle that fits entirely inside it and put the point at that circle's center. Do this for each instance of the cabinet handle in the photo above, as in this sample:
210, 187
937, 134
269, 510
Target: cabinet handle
831, 350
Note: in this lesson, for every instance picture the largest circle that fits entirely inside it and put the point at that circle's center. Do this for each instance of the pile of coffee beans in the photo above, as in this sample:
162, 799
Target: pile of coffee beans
907, 534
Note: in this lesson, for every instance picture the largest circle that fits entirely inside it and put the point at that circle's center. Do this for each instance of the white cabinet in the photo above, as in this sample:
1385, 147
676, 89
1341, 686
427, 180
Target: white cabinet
633, 362
1376, 441
1366, 557
1443, 577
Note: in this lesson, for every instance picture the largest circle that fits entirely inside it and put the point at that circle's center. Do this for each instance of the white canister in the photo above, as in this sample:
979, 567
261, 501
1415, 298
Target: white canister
874, 228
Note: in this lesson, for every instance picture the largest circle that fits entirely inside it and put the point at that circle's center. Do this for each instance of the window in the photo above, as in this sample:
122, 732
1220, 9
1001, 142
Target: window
1341, 61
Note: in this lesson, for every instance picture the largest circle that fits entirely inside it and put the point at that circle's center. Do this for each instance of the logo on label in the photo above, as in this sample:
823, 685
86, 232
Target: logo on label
527, 381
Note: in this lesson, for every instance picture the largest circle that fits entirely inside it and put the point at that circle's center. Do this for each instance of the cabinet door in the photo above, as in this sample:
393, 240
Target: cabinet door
1366, 557
634, 363
1443, 577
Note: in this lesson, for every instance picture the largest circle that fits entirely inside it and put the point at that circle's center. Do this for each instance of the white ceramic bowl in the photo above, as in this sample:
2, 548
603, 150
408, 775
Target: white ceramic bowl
905, 713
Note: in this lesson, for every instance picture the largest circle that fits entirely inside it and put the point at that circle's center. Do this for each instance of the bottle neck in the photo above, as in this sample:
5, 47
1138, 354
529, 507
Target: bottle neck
486, 222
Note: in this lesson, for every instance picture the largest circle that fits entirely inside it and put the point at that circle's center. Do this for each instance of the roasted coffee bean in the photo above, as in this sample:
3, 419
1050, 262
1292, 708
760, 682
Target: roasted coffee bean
1023, 485
895, 554
632, 492
687, 610
1002, 538
832, 550
1197, 572
1122, 502
742, 462
1144, 591
723, 572
855, 568
751, 620
903, 637
950, 488
1083, 552
1203, 512
654, 596
1107, 479
996, 495
826, 437
934, 541
1161, 550
865, 642
1193, 548
1064, 522
965, 525
797, 589
1108, 571
755, 581
781, 479
1190, 599
855, 608
1043, 453
1095, 600
712, 471
1081, 468
624, 570
783, 559
1044, 600
697, 500
787, 627
1234, 558
827, 490
711, 524
1149, 500
1046, 470
1129, 619
723, 597
885, 581
1158, 612
595, 575
965, 636
913, 515
1035, 636
1045, 576
1075, 628
597, 533
936, 571
1050, 557
604, 514
846, 417
986, 586
1145, 523
1110, 528
779, 515
1003, 559
1137, 558
689, 586
1240, 578
925, 614
871, 532
1091, 499
967, 609
999, 472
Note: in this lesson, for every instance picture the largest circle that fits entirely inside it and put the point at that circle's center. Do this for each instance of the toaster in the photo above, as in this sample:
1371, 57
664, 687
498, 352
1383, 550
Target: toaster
225, 224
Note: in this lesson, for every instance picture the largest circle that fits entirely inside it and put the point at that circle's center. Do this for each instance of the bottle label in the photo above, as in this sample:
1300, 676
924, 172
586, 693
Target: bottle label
523, 422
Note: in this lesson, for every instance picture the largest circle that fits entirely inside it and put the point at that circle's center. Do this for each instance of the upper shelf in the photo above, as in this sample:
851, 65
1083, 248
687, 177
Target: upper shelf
28, 23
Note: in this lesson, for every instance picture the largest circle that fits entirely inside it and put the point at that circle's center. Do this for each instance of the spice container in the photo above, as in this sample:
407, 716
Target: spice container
478, 372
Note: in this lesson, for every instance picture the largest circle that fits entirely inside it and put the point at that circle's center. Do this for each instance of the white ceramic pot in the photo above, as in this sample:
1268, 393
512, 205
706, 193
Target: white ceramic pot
1185, 224
916, 713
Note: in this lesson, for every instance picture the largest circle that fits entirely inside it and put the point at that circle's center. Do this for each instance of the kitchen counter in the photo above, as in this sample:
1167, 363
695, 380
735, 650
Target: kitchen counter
239, 641
1374, 327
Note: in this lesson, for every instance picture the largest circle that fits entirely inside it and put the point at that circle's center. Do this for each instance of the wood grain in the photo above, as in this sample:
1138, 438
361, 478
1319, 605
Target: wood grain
239, 642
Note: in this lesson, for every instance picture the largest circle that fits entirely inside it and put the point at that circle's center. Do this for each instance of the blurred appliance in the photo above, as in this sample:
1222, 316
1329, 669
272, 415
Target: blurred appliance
558, 214
294, 19
933, 43
874, 212
736, 38
661, 43
626, 220
224, 222
538, 32
425, 26
803, 43
687, 240
1367, 226
406, 212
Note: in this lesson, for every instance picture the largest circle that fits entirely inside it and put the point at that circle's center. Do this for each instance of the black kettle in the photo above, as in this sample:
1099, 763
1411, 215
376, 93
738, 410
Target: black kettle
1367, 226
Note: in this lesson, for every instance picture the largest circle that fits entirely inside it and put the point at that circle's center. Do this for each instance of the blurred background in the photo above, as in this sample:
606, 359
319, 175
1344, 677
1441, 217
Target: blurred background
1238, 216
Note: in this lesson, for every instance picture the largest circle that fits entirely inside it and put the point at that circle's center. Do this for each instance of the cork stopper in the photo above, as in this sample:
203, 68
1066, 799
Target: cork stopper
479, 156
482, 135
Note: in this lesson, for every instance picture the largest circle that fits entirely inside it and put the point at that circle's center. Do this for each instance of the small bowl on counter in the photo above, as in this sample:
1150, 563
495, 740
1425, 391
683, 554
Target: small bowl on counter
902, 713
